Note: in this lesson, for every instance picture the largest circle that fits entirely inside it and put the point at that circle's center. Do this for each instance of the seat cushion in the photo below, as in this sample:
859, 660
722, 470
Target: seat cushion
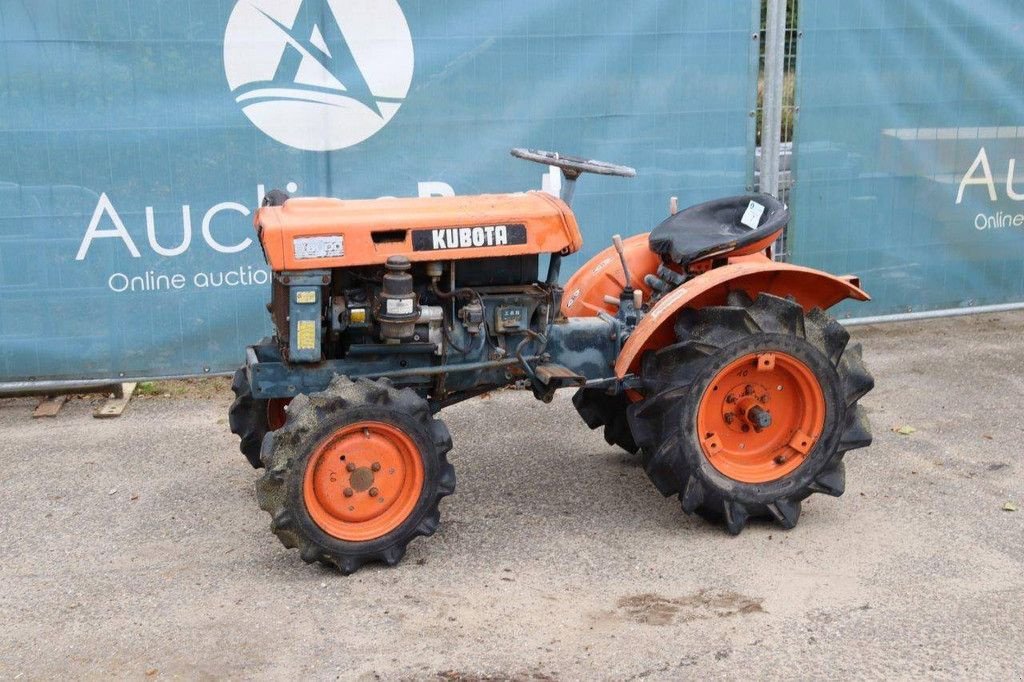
718, 227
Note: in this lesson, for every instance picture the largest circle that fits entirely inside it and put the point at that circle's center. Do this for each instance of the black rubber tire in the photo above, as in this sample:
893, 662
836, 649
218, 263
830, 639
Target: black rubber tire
315, 417
674, 380
598, 408
247, 418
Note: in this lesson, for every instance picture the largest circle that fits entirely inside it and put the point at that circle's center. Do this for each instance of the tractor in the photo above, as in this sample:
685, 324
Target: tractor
689, 345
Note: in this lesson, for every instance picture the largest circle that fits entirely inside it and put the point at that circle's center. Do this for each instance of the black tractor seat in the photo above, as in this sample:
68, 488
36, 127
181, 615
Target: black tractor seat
717, 227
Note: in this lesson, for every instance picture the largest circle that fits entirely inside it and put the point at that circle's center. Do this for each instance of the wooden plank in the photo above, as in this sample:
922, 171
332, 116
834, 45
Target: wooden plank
114, 407
49, 406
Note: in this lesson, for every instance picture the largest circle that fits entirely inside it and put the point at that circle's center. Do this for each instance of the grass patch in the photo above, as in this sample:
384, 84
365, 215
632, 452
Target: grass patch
148, 388
201, 387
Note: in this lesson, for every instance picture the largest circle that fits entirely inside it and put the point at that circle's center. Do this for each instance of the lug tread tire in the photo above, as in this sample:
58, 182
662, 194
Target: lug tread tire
247, 418
310, 419
672, 379
599, 409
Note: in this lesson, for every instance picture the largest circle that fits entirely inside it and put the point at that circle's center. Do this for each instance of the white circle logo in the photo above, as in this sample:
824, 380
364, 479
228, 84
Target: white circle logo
318, 75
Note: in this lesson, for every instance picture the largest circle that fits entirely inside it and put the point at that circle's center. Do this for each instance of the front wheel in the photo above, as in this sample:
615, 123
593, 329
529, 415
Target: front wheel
599, 409
752, 410
251, 418
356, 472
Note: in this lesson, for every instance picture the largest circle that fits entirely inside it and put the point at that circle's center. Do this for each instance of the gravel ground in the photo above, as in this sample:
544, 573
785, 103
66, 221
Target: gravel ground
134, 548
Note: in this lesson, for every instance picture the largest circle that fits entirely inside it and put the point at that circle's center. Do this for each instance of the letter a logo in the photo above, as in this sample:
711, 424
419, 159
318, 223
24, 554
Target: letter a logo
318, 75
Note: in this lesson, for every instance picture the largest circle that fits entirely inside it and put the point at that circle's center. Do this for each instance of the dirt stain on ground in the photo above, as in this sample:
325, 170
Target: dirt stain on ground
654, 609
455, 676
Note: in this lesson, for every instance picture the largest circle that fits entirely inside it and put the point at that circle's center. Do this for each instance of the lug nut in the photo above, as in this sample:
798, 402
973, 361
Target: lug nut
748, 389
374, 492
349, 492
729, 417
730, 399
764, 398
350, 467
375, 466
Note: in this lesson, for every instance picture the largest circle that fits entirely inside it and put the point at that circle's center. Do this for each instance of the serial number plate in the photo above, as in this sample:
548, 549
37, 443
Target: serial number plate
319, 247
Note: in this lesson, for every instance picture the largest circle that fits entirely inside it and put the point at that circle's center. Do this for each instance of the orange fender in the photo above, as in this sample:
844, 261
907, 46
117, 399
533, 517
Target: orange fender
753, 274
602, 274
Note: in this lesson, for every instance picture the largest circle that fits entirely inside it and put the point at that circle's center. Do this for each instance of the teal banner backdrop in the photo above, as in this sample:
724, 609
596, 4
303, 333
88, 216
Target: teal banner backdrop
910, 126
136, 137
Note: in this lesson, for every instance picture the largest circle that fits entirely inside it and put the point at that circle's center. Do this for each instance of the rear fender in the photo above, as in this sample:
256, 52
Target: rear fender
752, 274
602, 275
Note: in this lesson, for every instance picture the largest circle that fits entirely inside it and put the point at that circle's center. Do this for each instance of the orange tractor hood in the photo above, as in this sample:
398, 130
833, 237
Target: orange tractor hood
308, 234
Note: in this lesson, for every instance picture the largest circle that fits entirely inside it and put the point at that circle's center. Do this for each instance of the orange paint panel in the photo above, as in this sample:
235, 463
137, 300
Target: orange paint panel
603, 275
363, 481
373, 229
753, 274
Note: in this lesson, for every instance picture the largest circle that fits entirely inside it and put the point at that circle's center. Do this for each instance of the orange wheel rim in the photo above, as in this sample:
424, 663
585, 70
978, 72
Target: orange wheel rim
363, 481
760, 417
276, 414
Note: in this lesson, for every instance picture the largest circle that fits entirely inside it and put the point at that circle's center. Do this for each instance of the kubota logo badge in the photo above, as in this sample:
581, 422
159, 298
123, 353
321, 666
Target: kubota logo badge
318, 75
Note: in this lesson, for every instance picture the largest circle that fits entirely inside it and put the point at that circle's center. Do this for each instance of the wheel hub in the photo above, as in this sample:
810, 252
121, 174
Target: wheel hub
760, 416
746, 407
363, 481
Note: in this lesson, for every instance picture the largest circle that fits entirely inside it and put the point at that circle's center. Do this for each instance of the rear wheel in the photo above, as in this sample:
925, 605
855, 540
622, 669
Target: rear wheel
752, 410
356, 472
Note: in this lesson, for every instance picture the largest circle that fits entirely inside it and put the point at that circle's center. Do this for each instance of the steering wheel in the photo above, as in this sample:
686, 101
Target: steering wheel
573, 166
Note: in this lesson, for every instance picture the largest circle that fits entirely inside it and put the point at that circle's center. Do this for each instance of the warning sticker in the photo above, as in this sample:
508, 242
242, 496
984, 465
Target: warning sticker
306, 335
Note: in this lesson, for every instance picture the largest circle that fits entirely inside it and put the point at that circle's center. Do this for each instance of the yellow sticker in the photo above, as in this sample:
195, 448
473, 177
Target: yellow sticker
306, 335
357, 315
305, 296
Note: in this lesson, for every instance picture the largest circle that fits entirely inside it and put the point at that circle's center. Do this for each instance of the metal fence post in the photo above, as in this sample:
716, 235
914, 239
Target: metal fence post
771, 120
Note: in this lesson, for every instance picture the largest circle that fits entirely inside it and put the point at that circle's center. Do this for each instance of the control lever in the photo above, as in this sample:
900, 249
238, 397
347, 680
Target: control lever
638, 299
617, 242
628, 292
